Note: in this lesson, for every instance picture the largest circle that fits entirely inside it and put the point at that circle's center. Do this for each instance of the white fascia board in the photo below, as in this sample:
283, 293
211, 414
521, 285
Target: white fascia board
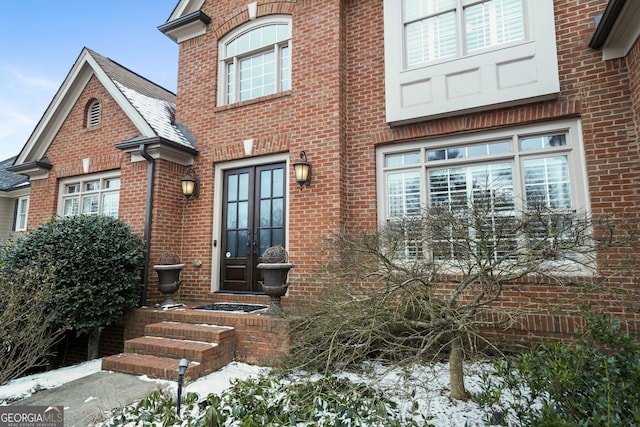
64, 101
624, 33
187, 31
185, 7
54, 116
14, 194
165, 152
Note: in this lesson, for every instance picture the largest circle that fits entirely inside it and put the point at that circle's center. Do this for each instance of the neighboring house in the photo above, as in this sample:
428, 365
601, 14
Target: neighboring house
14, 202
394, 102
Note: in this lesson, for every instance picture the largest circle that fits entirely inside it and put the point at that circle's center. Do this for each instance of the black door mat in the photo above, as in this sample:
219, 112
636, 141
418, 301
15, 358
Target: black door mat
245, 308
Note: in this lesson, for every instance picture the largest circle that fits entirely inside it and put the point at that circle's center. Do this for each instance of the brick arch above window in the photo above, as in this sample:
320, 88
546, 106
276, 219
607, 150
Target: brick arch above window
93, 113
225, 25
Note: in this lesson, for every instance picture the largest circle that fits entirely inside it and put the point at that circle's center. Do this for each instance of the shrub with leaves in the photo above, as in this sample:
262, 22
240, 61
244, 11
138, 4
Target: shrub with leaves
595, 382
268, 401
30, 326
96, 263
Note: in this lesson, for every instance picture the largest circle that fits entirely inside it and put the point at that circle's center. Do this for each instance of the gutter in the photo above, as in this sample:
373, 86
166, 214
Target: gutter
606, 23
148, 211
157, 145
133, 144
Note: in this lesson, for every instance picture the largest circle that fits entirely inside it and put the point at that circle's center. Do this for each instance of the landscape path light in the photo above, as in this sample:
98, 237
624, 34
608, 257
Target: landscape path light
182, 368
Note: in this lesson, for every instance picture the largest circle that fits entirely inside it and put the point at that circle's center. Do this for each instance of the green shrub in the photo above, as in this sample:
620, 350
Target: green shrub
595, 382
267, 401
96, 263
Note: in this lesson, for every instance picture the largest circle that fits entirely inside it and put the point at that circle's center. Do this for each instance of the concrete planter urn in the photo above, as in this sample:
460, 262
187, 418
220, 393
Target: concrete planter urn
168, 270
275, 269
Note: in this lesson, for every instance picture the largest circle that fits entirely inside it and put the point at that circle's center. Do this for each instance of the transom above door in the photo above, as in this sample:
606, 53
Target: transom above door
253, 218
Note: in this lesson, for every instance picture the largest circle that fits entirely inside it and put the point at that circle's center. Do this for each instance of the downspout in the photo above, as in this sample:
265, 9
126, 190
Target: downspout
151, 162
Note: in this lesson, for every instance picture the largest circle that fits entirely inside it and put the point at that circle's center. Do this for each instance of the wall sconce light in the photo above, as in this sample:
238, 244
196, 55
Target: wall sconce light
190, 184
302, 170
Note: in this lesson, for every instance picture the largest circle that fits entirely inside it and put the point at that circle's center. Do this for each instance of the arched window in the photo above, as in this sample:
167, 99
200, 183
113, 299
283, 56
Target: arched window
93, 113
255, 60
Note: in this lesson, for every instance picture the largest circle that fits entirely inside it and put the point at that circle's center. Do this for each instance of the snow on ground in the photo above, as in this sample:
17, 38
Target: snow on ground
26, 386
425, 385
428, 387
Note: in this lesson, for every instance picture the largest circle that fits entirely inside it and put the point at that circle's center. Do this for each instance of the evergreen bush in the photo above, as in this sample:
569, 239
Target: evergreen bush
594, 382
96, 263
274, 401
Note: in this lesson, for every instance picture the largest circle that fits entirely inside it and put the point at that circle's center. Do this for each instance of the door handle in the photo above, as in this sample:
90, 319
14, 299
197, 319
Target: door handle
254, 241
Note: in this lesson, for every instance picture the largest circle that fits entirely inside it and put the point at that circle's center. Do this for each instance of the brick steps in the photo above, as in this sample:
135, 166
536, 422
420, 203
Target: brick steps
206, 347
164, 368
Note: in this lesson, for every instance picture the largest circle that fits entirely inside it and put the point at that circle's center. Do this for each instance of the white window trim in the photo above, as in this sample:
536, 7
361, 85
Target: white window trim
22, 200
577, 166
81, 180
577, 161
218, 196
223, 60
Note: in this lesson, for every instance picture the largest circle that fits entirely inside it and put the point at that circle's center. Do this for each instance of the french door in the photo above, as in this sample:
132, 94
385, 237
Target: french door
253, 218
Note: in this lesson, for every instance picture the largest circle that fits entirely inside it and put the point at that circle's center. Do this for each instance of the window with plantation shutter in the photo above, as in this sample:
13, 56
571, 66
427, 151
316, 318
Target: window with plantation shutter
513, 170
447, 57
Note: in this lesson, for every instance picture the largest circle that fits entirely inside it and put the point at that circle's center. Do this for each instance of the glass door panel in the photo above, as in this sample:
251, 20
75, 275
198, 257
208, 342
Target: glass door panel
253, 219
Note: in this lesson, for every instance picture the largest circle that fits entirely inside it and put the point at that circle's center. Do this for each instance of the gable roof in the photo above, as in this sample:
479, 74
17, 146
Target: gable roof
8, 180
186, 21
150, 107
184, 8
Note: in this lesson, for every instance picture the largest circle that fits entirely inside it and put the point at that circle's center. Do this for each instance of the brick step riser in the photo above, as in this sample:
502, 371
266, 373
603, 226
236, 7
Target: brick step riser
172, 350
149, 369
207, 348
189, 332
171, 374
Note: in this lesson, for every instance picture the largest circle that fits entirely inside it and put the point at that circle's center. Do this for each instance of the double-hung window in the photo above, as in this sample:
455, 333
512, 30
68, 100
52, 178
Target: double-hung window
510, 171
22, 210
90, 195
255, 60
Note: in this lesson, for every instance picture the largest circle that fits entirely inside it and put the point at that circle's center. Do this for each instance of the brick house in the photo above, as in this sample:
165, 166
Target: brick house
375, 93
14, 202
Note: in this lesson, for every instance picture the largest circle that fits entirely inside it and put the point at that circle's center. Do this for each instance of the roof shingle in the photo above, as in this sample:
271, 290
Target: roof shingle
9, 180
154, 103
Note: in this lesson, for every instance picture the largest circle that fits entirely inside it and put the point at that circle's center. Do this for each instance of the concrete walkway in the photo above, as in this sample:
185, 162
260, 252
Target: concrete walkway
87, 399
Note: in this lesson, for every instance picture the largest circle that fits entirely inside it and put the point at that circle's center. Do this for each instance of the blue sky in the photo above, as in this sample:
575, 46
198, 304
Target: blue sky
41, 39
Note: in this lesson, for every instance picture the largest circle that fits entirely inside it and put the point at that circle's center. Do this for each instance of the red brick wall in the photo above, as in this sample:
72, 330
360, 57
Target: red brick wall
598, 92
74, 142
633, 64
306, 118
258, 339
595, 90
335, 111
